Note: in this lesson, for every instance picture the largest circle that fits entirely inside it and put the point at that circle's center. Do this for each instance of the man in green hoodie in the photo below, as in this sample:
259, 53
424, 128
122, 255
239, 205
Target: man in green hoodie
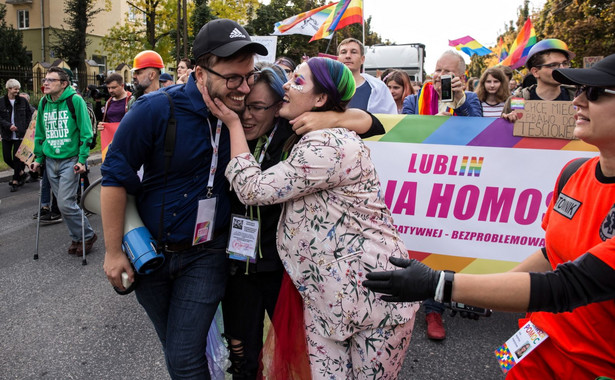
62, 142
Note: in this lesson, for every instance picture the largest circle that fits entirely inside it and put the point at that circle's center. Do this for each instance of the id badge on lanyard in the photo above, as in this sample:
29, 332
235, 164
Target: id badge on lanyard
205, 217
245, 234
519, 346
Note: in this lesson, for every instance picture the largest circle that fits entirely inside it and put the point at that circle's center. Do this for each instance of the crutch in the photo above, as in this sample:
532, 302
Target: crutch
38, 219
83, 261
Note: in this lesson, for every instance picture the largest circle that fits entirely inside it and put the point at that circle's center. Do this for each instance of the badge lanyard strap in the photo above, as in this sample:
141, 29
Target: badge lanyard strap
260, 150
214, 159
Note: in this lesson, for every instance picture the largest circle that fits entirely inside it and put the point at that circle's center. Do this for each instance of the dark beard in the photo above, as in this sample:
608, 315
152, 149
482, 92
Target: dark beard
139, 90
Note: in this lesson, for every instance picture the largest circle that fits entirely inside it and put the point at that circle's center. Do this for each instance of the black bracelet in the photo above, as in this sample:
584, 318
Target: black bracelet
449, 277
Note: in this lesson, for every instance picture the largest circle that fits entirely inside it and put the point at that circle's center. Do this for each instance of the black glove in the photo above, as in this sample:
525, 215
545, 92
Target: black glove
416, 282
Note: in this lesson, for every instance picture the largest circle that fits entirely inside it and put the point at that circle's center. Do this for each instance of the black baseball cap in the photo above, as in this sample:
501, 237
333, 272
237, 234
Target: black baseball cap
602, 74
223, 38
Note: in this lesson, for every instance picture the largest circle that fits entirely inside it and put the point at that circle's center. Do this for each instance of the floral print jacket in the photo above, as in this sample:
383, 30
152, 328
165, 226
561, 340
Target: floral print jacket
334, 228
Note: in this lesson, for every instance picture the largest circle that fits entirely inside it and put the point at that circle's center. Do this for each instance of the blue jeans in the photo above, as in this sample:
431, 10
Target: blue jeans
64, 182
45, 190
181, 299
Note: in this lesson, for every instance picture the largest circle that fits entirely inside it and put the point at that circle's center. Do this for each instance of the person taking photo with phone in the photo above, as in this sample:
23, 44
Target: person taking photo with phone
430, 100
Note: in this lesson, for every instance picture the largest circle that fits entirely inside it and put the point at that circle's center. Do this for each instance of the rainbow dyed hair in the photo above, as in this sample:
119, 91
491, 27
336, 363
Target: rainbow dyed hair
274, 76
334, 79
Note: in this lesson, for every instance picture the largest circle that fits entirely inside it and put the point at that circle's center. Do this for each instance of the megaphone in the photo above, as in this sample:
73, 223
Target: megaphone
138, 243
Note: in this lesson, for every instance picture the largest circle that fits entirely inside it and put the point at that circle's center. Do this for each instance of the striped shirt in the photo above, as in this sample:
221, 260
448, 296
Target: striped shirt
492, 110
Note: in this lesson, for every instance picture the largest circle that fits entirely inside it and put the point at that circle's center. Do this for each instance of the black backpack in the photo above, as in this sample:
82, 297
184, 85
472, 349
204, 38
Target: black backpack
71, 108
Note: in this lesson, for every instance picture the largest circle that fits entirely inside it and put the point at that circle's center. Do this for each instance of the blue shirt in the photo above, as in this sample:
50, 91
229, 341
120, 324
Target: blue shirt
361, 97
139, 140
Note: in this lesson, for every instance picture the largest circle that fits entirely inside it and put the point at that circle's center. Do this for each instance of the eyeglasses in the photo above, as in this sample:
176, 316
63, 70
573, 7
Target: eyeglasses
235, 81
50, 80
556, 65
254, 109
593, 93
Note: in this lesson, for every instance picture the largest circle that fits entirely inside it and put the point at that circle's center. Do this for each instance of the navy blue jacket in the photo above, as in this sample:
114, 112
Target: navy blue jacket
471, 107
139, 140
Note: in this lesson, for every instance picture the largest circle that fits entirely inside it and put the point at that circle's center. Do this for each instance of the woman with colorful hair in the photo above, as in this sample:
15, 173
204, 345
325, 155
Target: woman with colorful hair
492, 91
398, 83
252, 288
334, 229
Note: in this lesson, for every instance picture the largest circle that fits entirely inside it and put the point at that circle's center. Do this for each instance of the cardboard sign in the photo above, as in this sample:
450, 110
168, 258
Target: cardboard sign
25, 152
547, 119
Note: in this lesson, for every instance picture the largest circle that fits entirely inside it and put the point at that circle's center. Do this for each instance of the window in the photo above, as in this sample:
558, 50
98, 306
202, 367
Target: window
23, 19
101, 60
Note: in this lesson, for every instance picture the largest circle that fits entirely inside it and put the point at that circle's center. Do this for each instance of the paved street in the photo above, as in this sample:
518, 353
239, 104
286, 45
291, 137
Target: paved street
62, 320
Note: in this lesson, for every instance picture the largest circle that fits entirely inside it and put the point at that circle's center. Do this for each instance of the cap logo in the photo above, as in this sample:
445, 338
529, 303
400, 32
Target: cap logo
236, 34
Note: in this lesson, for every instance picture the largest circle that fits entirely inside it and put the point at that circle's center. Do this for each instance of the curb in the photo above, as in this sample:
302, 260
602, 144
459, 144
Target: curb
93, 159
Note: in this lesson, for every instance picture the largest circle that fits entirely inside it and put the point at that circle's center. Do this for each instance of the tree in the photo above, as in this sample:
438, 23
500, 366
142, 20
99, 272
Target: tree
12, 51
153, 28
587, 26
200, 16
241, 11
70, 44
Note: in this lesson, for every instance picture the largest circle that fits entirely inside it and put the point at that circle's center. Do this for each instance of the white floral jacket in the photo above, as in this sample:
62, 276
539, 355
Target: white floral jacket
334, 228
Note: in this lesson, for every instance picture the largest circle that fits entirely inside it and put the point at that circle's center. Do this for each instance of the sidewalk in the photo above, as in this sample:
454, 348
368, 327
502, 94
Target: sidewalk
94, 159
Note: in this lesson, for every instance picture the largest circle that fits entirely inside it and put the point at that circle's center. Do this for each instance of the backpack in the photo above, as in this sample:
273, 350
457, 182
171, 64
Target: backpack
90, 108
567, 172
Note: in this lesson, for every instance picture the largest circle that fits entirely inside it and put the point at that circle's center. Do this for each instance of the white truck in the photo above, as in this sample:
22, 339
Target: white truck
407, 57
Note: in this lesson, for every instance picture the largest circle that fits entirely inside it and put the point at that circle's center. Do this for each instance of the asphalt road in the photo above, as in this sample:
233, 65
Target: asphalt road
60, 319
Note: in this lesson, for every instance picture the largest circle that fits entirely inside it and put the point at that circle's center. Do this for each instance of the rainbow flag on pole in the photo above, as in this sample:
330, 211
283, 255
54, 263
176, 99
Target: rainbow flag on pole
521, 47
469, 46
502, 52
306, 23
346, 12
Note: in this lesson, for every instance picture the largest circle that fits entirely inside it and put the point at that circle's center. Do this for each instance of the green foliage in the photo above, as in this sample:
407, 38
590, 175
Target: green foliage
587, 26
70, 44
200, 16
239, 10
153, 29
12, 51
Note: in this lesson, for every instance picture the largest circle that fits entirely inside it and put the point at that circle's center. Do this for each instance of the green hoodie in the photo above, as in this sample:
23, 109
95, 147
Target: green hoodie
57, 135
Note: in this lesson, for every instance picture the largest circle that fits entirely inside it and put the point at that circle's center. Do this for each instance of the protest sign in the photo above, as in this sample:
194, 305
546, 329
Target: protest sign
25, 152
541, 118
465, 193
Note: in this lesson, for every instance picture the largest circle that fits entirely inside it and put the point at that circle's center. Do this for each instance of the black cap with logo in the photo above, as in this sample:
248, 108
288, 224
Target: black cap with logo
223, 38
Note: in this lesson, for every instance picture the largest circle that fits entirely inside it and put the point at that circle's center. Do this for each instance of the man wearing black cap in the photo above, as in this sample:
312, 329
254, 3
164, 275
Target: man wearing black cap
182, 200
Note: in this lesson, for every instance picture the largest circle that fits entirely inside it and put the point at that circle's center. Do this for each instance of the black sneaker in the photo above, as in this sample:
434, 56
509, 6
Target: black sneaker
44, 211
51, 218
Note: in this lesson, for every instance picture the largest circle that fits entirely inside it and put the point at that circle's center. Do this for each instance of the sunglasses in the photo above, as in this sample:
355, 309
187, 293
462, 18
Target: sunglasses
593, 93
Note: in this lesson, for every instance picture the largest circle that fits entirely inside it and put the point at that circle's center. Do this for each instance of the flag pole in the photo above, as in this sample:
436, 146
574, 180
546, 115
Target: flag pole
329, 44
363, 18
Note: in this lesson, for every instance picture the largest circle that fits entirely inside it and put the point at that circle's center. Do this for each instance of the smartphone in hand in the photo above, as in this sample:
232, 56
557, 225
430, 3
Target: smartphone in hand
446, 91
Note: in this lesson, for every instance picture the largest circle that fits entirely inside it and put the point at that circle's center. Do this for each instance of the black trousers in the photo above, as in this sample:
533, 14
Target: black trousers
9, 151
246, 299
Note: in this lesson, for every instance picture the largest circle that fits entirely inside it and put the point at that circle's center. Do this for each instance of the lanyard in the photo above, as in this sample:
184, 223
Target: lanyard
262, 149
214, 159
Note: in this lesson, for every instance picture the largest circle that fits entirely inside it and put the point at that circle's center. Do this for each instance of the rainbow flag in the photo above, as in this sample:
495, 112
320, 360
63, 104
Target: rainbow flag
521, 47
346, 12
469, 46
306, 23
502, 52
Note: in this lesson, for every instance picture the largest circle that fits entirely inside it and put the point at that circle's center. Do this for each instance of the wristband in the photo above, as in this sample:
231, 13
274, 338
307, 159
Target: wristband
449, 277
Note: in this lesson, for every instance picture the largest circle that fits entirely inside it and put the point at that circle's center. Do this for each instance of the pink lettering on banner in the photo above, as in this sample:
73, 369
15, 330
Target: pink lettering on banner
528, 206
467, 199
495, 204
442, 164
440, 200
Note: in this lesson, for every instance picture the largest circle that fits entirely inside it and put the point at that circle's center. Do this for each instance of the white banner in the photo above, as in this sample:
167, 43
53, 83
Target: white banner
469, 201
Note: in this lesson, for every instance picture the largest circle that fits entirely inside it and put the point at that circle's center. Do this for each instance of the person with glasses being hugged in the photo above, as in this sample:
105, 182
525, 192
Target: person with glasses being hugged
569, 286
183, 200
253, 288
543, 58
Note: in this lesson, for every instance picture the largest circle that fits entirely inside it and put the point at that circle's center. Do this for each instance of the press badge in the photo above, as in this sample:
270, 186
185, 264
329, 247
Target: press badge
204, 226
519, 346
243, 238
